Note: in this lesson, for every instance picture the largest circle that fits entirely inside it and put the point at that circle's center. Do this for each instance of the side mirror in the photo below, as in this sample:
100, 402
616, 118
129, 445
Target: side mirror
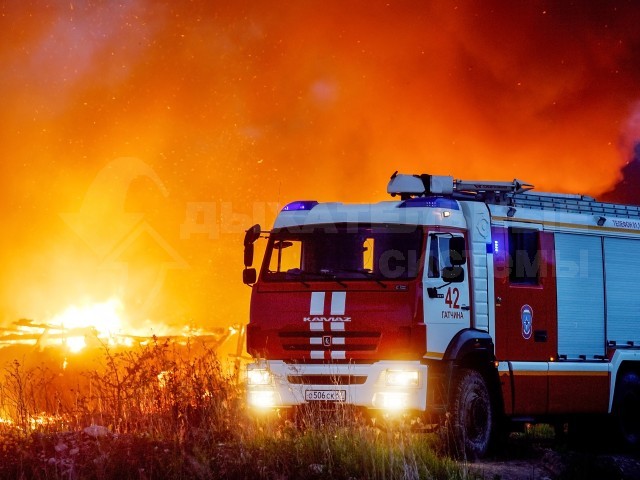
453, 274
248, 255
252, 235
457, 252
249, 276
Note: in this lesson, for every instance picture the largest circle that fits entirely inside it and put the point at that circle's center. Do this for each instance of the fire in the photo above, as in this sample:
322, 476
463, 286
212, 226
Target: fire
445, 88
104, 320
75, 344
85, 327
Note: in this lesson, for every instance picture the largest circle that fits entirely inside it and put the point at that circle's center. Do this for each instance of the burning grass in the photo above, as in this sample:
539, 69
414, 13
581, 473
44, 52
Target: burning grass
169, 410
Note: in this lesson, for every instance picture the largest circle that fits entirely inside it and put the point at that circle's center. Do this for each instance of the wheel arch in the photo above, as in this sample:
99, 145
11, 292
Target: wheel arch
625, 399
470, 342
623, 361
471, 348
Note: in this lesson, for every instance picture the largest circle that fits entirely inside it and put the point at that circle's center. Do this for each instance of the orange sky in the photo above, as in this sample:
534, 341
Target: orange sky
122, 121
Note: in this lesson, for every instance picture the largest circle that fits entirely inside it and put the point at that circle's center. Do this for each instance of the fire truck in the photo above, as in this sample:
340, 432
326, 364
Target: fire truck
481, 302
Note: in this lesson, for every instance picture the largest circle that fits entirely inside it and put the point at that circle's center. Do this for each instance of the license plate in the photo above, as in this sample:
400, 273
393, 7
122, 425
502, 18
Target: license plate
325, 395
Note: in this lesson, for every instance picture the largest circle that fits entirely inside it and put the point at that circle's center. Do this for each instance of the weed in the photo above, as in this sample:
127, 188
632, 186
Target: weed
172, 411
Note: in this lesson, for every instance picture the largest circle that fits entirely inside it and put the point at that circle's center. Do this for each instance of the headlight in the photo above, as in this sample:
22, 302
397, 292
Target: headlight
391, 401
259, 376
402, 378
262, 398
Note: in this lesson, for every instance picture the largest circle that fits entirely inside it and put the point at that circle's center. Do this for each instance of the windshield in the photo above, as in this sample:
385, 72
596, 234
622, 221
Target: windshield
341, 252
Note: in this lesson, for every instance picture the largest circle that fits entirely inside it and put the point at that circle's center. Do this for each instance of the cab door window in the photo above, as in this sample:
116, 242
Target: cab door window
524, 256
439, 255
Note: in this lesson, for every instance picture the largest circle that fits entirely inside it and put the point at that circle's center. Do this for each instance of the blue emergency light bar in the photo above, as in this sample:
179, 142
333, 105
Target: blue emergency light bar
299, 205
433, 202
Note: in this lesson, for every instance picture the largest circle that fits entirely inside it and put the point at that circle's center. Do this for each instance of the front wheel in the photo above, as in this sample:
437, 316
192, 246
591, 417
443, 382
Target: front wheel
471, 415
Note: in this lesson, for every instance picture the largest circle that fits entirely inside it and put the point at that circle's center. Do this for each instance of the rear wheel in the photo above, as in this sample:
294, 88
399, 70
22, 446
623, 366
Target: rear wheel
472, 415
626, 409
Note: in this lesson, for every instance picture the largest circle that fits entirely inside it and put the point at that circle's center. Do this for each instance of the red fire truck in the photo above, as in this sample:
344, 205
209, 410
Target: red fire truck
483, 301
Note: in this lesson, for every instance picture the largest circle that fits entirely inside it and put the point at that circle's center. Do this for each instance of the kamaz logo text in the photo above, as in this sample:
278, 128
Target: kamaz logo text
326, 319
317, 311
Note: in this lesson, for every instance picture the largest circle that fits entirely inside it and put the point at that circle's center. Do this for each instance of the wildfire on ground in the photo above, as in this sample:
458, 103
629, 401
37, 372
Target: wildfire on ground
103, 325
88, 364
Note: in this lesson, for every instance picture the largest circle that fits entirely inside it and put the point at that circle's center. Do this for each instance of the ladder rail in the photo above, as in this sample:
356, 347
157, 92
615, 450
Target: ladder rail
563, 203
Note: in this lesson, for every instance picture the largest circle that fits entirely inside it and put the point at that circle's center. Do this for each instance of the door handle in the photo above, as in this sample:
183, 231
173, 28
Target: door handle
539, 335
465, 307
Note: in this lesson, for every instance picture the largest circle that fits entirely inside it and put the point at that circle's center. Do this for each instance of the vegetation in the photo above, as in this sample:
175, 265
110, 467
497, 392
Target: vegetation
171, 411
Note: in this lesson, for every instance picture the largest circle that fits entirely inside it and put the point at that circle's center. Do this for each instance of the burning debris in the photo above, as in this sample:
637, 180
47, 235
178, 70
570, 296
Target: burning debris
125, 382
103, 325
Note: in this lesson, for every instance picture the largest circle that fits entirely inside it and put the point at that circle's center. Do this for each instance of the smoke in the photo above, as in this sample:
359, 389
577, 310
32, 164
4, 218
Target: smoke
243, 106
626, 189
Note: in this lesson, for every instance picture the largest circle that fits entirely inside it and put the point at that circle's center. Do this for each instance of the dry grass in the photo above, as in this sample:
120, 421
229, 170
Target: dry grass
171, 411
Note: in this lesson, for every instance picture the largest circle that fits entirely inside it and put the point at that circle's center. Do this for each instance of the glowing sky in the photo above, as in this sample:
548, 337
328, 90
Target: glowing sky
125, 125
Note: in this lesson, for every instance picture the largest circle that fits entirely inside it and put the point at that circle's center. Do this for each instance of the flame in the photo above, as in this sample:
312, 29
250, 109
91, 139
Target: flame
92, 325
104, 319
75, 344
163, 378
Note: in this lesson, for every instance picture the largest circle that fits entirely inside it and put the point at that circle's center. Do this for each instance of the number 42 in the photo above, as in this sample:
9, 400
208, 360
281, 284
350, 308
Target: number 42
452, 297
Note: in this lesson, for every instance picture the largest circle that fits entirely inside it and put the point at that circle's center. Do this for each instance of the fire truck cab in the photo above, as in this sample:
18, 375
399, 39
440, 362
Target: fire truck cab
481, 300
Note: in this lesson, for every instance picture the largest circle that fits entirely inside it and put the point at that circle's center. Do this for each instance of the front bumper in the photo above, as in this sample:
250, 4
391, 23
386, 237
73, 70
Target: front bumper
384, 385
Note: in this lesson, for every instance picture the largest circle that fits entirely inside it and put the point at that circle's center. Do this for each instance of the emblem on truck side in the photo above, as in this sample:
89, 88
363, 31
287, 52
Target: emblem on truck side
526, 316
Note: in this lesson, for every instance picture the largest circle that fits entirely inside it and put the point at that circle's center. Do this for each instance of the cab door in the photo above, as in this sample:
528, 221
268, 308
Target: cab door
446, 290
525, 290
525, 312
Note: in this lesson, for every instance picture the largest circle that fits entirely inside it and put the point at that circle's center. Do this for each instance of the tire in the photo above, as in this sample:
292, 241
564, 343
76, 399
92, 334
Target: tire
626, 410
472, 415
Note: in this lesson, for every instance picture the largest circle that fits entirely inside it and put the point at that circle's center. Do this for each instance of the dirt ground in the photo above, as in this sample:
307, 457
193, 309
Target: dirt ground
557, 463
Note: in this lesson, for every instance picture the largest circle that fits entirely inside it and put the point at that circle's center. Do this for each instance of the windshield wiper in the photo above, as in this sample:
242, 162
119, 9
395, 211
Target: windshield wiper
299, 274
367, 273
324, 272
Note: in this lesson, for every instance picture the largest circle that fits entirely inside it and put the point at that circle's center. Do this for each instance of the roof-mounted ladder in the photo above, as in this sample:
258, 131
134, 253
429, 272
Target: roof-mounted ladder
513, 194
408, 186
